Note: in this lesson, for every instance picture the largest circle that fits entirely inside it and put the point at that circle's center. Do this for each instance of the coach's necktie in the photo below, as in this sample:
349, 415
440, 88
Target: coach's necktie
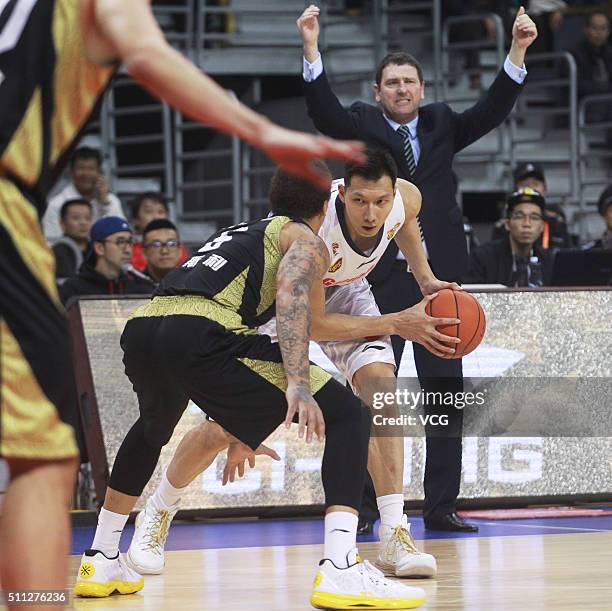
404, 132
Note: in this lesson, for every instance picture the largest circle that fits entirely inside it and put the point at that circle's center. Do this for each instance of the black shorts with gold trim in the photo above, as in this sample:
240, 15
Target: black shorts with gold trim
238, 380
38, 400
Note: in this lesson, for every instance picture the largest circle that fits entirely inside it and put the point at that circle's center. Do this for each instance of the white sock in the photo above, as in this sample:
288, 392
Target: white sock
108, 532
391, 508
166, 495
340, 543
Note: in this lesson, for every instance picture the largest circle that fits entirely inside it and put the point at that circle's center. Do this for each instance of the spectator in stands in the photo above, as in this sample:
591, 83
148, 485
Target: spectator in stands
104, 272
593, 57
87, 182
604, 205
162, 249
548, 16
530, 175
472, 31
555, 233
70, 249
517, 259
147, 207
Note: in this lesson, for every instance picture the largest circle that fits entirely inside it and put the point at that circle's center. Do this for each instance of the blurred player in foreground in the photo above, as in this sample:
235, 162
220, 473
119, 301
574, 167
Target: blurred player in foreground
56, 59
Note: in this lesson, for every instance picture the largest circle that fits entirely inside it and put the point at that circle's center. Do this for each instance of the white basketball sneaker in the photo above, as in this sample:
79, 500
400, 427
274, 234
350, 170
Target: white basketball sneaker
360, 586
399, 556
100, 576
146, 552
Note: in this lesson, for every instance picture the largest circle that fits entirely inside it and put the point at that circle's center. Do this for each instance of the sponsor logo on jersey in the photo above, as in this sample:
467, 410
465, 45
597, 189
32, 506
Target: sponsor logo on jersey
335, 266
391, 233
332, 282
335, 248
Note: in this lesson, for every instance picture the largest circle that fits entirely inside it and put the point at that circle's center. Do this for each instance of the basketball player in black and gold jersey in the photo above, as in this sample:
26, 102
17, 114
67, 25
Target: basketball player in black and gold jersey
56, 59
197, 339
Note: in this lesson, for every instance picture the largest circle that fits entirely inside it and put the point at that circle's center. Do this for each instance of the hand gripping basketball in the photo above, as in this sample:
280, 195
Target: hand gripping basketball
471, 328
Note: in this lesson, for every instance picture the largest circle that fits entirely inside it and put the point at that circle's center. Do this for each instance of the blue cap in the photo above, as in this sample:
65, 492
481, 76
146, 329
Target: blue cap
106, 226
101, 229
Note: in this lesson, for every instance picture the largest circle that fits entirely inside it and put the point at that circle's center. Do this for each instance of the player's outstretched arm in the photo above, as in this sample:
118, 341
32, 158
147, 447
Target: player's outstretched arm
303, 264
130, 33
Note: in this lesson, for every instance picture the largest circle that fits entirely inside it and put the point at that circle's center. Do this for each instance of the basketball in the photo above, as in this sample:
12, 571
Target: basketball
465, 307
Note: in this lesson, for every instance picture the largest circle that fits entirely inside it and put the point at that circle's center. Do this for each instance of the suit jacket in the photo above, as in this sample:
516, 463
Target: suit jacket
442, 133
586, 64
492, 263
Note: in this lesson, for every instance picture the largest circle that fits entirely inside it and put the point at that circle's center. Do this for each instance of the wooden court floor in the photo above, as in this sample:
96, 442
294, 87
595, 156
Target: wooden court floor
569, 572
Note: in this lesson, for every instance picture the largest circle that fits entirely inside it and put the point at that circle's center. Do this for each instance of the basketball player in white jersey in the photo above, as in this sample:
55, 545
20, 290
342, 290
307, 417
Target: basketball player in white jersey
365, 212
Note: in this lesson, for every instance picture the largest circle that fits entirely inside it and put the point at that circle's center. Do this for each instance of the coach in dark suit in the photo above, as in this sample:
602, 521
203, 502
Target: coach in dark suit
423, 141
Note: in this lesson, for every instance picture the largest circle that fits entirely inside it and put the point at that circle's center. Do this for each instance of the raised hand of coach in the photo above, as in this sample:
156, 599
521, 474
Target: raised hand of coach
308, 25
524, 32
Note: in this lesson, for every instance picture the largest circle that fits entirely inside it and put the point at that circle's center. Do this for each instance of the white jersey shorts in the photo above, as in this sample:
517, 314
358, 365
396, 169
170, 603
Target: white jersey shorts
350, 356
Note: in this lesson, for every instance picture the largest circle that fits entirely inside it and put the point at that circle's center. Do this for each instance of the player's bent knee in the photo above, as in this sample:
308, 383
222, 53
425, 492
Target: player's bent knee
373, 378
372, 371
156, 438
157, 433
213, 436
361, 416
366, 418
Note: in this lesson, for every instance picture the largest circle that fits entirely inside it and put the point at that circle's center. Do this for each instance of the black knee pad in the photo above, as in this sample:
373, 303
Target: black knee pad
366, 417
135, 462
157, 436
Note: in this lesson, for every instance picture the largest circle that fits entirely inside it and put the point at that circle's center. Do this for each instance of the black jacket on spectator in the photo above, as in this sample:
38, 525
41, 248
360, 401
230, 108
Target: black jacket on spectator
89, 282
68, 258
492, 263
559, 236
586, 64
604, 242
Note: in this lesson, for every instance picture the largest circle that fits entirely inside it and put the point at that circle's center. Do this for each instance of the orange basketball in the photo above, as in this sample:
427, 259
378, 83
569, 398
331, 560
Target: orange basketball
465, 307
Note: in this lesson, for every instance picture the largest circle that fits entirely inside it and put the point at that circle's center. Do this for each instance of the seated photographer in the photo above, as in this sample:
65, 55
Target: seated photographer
516, 259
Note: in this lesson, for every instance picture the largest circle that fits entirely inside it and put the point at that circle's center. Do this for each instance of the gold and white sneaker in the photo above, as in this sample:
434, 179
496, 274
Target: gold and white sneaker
100, 576
360, 586
398, 555
146, 552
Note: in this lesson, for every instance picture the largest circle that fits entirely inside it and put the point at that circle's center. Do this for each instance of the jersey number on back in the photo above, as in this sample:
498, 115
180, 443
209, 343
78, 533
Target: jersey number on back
223, 237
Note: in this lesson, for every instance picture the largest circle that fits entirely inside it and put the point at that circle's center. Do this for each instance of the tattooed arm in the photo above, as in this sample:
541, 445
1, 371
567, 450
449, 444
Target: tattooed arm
303, 265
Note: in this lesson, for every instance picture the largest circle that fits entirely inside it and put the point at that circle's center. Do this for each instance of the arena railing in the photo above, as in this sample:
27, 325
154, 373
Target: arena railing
390, 14
121, 137
448, 49
551, 91
216, 199
246, 38
185, 25
177, 22
590, 130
